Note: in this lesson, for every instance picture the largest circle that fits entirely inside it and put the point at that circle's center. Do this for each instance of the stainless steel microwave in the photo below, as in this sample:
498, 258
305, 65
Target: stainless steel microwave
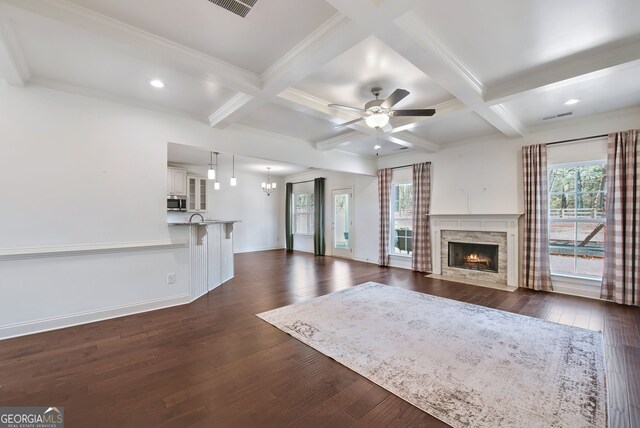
176, 203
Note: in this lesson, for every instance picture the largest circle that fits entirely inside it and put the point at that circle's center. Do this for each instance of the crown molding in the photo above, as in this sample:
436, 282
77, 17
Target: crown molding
236, 102
508, 123
145, 44
413, 26
13, 65
306, 48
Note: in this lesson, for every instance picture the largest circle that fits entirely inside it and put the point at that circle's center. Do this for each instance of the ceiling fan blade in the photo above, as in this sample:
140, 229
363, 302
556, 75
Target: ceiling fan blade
394, 98
342, 125
415, 112
346, 107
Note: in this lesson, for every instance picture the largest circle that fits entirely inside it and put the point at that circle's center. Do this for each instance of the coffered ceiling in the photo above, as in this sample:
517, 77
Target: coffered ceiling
494, 67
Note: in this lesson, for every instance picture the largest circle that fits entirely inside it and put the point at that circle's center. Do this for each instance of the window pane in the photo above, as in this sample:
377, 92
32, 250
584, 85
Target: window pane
402, 219
562, 246
590, 249
562, 180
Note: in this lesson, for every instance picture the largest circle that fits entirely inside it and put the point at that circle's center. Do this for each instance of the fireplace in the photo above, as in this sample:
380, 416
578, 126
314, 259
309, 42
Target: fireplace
481, 257
489, 229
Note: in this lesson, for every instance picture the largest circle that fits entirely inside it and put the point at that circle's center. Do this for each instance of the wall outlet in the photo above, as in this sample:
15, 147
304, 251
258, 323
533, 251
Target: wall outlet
171, 278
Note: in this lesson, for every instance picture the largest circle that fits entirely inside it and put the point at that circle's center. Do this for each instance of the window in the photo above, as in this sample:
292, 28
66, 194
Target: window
401, 219
577, 194
303, 215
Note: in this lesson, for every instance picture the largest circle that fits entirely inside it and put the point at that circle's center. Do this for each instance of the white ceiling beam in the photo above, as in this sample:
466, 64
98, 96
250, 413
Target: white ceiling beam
569, 70
143, 44
13, 66
234, 104
409, 140
414, 40
334, 142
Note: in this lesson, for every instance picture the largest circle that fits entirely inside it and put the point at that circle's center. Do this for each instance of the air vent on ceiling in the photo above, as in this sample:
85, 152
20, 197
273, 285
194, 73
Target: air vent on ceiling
240, 8
401, 148
555, 116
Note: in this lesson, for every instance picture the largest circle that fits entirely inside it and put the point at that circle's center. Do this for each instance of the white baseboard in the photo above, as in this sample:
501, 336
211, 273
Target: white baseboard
373, 262
252, 250
39, 326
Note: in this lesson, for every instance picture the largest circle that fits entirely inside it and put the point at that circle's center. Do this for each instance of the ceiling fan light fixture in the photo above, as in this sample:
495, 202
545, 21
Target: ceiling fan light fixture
157, 83
377, 120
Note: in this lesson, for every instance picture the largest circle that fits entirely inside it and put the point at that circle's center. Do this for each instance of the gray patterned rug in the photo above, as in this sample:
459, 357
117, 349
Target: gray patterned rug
467, 365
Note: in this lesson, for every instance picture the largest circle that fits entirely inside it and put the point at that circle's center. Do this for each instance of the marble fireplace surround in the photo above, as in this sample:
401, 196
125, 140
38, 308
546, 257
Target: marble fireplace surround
507, 223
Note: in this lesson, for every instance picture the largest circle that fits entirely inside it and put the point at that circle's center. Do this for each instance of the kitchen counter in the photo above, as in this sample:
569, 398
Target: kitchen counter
202, 223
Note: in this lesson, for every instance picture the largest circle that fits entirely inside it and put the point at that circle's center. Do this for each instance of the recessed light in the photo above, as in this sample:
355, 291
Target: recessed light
571, 102
377, 147
157, 83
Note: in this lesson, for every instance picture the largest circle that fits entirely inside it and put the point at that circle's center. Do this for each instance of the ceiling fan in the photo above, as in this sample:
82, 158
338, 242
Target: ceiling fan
377, 112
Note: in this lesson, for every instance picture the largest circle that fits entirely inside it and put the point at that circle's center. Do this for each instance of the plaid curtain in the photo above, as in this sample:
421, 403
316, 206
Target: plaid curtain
622, 239
421, 260
384, 191
536, 273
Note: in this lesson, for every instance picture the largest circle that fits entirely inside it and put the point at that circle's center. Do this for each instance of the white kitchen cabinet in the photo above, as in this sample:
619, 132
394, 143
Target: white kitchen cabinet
176, 182
196, 194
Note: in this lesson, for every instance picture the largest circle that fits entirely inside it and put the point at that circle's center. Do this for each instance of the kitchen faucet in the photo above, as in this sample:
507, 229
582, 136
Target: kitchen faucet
193, 215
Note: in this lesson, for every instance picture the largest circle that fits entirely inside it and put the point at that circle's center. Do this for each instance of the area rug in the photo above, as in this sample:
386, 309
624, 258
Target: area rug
467, 365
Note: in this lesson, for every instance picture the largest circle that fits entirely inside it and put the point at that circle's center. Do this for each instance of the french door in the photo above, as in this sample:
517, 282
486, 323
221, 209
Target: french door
341, 223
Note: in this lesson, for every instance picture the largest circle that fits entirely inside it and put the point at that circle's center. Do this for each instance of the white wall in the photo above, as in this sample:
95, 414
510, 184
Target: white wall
81, 174
261, 217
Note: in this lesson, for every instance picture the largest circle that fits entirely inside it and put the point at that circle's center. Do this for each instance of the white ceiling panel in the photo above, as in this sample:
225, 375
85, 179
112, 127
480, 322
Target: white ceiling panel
366, 147
498, 38
458, 127
601, 92
274, 118
348, 78
70, 55
255, 42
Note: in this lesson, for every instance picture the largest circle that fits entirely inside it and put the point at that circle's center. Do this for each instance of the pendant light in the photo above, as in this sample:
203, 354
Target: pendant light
269, 186
216, 185
233, 180
211, 174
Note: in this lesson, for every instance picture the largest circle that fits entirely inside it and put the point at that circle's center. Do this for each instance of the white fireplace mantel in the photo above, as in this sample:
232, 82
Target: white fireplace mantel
507, 223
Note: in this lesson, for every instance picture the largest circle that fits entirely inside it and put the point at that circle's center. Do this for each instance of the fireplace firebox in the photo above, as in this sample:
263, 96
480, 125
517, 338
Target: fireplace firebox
482, 257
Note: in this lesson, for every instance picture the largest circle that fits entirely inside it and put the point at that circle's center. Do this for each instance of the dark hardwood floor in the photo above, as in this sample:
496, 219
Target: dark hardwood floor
214, 363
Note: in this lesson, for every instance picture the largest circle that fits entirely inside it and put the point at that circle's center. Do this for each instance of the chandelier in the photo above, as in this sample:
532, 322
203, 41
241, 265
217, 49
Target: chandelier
269, 186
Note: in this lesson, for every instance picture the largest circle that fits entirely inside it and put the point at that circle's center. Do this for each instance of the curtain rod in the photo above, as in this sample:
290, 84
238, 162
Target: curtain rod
405, 166
305, 181
577, 139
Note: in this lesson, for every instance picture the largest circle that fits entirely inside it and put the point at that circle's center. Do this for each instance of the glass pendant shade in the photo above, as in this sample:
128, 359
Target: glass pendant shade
377, 120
